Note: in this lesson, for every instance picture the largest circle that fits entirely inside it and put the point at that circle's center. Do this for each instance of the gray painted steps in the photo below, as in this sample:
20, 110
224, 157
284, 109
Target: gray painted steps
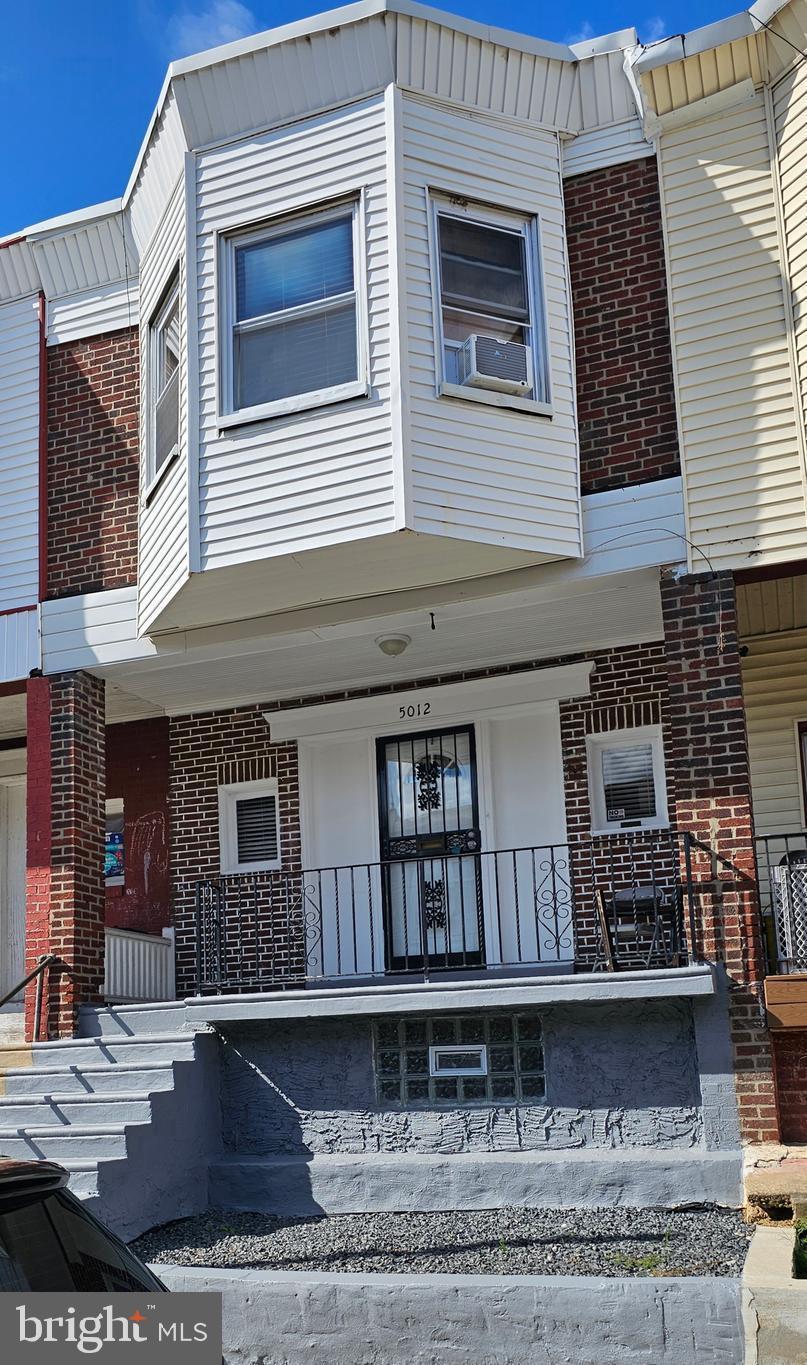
131, 1020
58, 1142
96, 1079
166, 1047
69, 1109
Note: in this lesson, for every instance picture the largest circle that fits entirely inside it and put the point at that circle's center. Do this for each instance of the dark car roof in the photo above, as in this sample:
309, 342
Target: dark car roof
17, 1177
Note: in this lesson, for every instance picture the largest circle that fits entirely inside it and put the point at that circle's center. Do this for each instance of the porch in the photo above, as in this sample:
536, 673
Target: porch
621, 904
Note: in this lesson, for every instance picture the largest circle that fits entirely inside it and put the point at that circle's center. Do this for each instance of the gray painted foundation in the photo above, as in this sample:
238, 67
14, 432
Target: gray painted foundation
290, 1318
633, 1177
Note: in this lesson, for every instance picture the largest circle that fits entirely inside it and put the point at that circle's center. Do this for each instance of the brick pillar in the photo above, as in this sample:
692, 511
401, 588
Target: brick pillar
65, 881
713, 802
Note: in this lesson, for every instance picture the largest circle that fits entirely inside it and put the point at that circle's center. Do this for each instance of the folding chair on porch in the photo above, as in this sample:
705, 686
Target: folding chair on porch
638, 928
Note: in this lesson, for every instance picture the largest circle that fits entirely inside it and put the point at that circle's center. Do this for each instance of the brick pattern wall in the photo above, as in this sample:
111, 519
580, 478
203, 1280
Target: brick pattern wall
625, 395
66, 910
137, 770
93, 461
790, 1058
713, 789
628, 690
209, 751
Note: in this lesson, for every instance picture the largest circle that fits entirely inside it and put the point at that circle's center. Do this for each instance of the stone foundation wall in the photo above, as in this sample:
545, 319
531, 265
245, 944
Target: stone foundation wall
617, 1076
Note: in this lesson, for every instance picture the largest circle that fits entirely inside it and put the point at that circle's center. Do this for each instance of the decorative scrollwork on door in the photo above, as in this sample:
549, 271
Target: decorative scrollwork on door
427, 772
434, 904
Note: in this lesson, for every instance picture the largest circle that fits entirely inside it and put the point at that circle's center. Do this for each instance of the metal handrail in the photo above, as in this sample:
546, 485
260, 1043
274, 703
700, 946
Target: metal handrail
47, 960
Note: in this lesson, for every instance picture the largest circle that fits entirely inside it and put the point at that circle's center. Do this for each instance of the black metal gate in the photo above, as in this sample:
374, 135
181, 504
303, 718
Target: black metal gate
429, 816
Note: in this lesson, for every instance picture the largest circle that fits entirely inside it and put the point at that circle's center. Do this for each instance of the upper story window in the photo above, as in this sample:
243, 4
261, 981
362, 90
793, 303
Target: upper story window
626, 780
293, 314
164, 352
491, 308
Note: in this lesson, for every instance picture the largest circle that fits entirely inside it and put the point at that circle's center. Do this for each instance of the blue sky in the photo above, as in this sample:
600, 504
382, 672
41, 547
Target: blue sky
79, 78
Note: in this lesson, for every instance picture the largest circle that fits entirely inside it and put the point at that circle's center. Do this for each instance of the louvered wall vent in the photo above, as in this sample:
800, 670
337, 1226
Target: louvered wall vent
256, 829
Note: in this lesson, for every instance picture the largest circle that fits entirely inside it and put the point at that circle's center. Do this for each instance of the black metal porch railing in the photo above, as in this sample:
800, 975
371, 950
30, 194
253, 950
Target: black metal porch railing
782, 874
614, 904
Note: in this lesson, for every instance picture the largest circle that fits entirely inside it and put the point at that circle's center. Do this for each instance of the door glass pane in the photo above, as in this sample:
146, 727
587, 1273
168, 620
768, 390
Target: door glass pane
317, 351
429, 784
297, 267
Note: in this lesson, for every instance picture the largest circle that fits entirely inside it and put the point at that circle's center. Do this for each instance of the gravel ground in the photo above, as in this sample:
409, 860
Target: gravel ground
491, 1242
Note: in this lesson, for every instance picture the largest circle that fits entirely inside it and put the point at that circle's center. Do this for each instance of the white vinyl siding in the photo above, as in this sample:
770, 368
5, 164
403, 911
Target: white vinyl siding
742, 462
157, 176
19, 453
775, 694
19, 644
324, 476
610, 146
481, 472
790, 130
164, 526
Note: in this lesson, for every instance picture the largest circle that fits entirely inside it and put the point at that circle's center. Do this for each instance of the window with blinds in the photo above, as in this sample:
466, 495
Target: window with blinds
626, 780
293, 312
249, 827
164, 343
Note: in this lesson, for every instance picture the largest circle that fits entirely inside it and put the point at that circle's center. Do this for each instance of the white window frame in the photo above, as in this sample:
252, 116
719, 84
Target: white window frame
438, 1050
229, 795
229, 414
595, 744
529, 226
170, 296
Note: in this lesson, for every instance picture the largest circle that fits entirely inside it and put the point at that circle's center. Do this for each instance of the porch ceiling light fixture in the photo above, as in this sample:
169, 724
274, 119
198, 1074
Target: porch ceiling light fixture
393, 645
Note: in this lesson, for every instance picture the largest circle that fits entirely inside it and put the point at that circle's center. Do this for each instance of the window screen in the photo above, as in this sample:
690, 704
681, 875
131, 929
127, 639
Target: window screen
165, 341
295, 328
256, 829
628, 783
485, 286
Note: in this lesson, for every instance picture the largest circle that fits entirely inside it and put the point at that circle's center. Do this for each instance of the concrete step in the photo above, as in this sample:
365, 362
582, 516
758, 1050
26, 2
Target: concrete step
104, 1078
131, 1020
70, 1052
69, 1110
12, 1026
59, 1143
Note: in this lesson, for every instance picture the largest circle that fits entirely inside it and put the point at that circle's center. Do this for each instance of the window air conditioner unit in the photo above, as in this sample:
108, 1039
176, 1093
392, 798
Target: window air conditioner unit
485, 363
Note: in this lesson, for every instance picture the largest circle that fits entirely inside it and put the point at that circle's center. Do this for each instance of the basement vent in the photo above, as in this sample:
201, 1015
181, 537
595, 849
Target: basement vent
256, 829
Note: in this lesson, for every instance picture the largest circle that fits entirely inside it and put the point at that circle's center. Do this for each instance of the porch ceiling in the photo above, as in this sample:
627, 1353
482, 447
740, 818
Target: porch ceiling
224, 667
772, 605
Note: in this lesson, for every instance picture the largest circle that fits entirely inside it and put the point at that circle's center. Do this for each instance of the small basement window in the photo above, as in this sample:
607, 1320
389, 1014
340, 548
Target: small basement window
164, 362
627, 784
459, 1059
491, 310
249, 828
292, 314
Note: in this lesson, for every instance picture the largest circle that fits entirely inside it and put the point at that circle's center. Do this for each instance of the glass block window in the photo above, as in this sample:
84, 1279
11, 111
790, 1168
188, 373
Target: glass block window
513, 1051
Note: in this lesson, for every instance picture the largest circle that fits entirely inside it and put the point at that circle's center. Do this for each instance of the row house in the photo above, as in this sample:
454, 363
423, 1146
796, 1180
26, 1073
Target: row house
402, 627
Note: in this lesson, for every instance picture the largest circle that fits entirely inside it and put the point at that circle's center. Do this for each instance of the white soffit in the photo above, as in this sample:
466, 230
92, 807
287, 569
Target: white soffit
427, 705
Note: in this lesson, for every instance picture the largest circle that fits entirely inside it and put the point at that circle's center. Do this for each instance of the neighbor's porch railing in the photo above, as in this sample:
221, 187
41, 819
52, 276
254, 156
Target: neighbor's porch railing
138, 967
616, 903
782, 872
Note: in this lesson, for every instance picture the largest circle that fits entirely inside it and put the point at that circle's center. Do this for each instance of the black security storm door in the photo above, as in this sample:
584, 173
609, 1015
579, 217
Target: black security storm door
430, 842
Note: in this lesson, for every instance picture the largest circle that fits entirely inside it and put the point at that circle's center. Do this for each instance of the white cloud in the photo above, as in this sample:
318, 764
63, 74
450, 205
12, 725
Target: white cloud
221, 21
585, 31
653, 29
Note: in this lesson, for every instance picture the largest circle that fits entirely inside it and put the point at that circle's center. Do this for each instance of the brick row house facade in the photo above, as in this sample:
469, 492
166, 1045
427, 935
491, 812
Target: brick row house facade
394, 640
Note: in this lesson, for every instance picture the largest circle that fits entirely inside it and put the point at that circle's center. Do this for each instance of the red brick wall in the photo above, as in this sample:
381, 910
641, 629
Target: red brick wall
209, 751
628, 689
790, 1058
625, 396
713, 788
93, 397
65, 913
137, 770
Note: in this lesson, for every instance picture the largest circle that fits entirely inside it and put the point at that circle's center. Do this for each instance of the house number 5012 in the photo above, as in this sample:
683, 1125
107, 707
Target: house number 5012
422, 708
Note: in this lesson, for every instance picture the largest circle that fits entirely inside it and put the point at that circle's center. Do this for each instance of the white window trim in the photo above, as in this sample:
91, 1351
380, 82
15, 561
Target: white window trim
440, 204
228, 414
453, 1049
154, 476
638, 735
229, 795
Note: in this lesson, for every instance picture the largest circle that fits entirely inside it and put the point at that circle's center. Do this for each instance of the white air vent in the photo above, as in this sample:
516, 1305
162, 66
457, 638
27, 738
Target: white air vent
256, 829
485, 363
